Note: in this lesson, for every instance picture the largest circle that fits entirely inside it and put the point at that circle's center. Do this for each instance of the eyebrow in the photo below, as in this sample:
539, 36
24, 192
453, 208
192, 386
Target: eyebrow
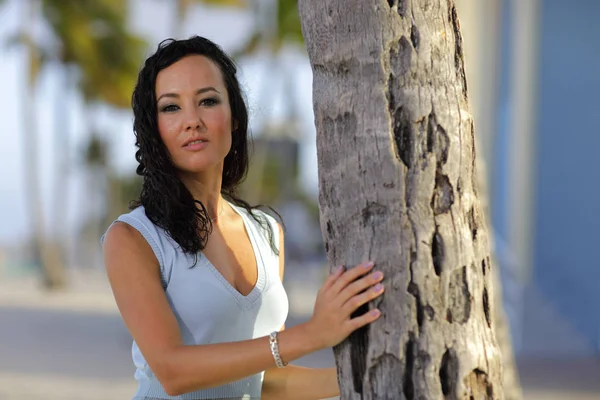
199, 91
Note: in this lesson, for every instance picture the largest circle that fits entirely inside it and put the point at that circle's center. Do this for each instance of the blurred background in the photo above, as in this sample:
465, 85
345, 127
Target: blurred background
67, 68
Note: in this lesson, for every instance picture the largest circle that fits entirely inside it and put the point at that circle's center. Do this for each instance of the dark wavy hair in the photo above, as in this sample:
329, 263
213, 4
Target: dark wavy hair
167, 202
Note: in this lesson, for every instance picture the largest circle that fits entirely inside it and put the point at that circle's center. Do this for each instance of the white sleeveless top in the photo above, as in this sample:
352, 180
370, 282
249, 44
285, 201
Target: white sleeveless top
208, 308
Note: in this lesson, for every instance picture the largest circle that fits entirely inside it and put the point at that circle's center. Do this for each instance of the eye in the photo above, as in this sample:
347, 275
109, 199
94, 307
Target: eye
169, 108
209, 102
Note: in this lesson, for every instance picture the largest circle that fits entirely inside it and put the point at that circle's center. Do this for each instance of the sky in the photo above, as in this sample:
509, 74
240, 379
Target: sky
153, 20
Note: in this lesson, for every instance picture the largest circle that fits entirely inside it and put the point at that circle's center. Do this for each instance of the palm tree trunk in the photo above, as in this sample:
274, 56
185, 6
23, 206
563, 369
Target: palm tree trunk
181, 8
61, 169
398, 185
511, 381
266, 18
44, 253
481, 27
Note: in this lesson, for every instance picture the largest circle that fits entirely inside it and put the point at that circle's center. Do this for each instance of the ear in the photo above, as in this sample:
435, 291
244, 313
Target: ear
235, 125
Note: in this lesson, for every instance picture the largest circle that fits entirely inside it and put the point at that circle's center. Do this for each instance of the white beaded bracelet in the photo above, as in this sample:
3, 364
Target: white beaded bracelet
274, 344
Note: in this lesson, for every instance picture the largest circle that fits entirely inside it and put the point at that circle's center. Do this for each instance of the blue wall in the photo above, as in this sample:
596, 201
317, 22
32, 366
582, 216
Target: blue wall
567, 201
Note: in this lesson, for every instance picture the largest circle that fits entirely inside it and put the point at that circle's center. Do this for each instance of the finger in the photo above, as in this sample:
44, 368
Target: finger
364, 319
351, 275
332, 278
356, 301
358, 286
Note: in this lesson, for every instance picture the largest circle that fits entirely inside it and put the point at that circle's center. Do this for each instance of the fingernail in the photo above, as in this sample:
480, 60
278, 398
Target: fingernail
378, 275
375, 312
378, 287
340, 268
369, 264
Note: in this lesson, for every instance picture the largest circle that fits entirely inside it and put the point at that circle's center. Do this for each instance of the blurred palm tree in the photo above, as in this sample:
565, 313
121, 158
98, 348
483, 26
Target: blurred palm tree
183, 6
276, 23
277, 26
94, 36
108, 56
90, 38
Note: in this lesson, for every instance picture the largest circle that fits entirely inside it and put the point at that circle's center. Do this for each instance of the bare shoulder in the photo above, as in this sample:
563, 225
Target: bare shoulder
122, 239
117, 231
121, 231
134, 275
128, 256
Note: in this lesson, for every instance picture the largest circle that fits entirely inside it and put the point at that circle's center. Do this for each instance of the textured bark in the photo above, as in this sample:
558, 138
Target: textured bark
510, 379
398, 186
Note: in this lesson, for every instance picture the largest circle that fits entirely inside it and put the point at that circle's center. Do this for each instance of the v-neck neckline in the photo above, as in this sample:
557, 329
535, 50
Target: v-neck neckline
250, 298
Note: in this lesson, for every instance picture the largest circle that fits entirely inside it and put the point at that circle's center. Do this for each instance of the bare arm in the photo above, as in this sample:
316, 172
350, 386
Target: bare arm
295, 382
299, 383
134, 275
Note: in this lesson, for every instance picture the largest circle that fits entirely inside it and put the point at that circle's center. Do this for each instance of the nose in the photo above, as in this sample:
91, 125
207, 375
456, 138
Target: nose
193, 121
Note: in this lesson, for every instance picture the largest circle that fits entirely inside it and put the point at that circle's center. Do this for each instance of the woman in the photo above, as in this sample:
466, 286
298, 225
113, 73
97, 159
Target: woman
195, 271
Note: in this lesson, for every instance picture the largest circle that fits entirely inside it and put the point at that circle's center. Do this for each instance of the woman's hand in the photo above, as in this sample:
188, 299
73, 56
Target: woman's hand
343, 293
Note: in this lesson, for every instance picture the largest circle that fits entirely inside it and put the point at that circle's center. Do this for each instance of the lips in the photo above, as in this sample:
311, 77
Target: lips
194, 141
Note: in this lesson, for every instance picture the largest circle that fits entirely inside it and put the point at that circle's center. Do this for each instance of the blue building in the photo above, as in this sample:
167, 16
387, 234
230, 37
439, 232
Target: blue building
535, 72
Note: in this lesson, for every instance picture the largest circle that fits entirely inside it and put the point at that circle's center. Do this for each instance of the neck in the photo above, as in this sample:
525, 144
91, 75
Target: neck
207, 190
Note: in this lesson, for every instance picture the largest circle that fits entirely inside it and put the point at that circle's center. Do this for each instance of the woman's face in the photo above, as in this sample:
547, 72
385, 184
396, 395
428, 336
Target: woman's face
194, 116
